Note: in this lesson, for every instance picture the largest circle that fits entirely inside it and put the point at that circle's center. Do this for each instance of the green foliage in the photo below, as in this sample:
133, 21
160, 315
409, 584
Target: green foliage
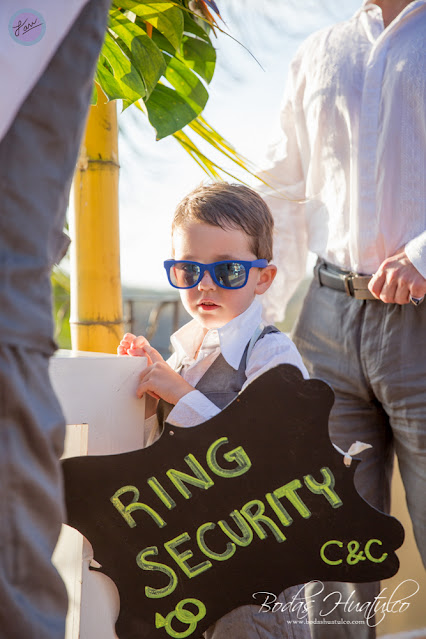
163, 15
158, 56
208, 134
61, 307
143, 55
155, 52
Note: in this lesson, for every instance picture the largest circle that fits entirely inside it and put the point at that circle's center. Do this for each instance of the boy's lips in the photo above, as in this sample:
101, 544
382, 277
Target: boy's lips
207, 305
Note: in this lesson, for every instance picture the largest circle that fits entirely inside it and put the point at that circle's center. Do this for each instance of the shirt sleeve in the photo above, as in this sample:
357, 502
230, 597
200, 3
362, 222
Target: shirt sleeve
284, 191
273, 349
192, 409
416, 252
268, 352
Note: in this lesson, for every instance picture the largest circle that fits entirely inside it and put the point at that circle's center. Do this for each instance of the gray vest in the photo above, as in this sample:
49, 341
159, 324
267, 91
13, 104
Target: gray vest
220, 383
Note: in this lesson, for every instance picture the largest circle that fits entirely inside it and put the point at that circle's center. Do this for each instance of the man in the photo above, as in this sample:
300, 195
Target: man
353, 191
49, 54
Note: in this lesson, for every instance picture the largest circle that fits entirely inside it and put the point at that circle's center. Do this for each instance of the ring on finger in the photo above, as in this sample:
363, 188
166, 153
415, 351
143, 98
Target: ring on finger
416, 300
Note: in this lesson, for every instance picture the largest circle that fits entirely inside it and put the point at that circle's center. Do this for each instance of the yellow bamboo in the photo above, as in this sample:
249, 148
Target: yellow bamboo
96, 303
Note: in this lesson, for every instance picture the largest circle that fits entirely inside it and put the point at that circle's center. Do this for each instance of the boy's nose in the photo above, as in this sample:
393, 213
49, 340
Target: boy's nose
206, 282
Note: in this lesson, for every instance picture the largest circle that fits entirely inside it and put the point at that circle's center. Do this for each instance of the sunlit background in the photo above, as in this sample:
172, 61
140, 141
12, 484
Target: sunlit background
253, 56
245, 95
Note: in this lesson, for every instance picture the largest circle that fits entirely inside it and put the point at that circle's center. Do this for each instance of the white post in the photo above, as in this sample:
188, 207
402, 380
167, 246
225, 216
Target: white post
97, 393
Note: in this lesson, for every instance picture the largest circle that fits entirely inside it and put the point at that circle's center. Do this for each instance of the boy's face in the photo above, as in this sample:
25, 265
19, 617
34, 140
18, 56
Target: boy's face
211, 305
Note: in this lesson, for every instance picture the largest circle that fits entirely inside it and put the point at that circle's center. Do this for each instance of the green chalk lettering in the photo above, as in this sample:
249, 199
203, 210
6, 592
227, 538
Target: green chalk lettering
289, 491
145, 564
161, 492
230, 547
246, 532
368, 554
184, 615
354, 555
201, 479
182, 558
322, 552
134, 505
278, 509
236, 455
326, 488
254, 519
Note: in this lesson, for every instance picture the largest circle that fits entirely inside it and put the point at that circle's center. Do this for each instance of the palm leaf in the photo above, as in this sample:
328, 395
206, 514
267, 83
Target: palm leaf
158, 55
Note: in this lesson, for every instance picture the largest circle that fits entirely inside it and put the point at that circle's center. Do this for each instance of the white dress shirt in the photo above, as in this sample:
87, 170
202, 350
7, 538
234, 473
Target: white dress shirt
354, 149
230, 340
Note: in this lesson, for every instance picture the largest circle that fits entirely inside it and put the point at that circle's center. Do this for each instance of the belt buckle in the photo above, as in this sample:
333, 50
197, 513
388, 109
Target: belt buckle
347, 279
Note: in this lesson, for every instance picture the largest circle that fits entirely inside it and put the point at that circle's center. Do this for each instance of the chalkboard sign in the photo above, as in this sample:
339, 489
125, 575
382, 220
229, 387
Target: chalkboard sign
255, 499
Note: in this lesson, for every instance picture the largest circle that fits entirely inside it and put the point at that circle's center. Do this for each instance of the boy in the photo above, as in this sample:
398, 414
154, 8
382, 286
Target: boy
222, 248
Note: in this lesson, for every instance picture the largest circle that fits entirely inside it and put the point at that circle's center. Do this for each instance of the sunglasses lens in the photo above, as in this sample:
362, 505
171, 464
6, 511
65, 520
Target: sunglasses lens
184, 275
230, 274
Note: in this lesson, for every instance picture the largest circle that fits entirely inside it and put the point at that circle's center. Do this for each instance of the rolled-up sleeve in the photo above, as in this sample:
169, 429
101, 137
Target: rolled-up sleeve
416, 252
193, 409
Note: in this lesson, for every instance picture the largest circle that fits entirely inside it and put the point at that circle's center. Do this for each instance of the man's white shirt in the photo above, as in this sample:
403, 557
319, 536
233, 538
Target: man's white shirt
353, 150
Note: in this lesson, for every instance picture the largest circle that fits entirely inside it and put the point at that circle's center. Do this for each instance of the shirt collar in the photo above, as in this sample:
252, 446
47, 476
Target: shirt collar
232, 338
368, 4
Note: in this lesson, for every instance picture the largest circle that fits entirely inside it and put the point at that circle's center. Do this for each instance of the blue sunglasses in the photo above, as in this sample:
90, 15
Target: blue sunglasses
227, 274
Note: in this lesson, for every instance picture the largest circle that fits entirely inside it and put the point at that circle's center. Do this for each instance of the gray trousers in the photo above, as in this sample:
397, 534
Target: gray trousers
249, 622
374, 357
37, 160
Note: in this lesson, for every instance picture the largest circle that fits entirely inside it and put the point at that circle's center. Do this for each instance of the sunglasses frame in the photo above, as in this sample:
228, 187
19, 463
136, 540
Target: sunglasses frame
168, 264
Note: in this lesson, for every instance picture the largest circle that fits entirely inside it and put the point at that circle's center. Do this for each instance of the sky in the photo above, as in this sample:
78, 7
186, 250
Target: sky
245, 96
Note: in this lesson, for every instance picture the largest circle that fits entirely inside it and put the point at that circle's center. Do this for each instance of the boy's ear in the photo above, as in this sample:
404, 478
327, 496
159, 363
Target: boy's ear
266, 277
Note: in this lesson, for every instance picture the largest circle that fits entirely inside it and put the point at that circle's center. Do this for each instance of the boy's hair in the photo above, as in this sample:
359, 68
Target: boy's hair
230, 206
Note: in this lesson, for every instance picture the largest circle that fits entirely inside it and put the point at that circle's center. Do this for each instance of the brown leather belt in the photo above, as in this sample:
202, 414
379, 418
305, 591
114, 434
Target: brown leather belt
347, 282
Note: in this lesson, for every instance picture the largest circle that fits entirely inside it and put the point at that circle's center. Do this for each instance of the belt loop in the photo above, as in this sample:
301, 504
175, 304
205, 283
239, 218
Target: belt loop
349, 288
317, 267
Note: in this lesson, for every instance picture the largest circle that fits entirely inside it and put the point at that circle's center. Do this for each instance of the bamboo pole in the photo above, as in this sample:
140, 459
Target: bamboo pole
96, 304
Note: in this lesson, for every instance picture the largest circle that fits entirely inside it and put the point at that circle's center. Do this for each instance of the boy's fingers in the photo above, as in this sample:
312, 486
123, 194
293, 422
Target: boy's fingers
140, 390
153, 354
139, 342
128, 337
137, 352
121, 349
144, 388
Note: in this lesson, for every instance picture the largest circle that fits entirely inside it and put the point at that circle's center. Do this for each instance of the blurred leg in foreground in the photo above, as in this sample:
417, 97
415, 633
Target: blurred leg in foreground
37, 160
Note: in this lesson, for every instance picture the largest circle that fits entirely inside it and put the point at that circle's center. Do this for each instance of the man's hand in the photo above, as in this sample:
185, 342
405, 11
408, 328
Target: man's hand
396, 279
159, 380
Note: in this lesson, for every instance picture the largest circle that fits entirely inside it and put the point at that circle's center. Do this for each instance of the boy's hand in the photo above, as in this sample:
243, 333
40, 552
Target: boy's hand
134, 346
159, 380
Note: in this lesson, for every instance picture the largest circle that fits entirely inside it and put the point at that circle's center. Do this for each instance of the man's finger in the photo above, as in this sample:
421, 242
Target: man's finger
388, 292
376, 283
402, 295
